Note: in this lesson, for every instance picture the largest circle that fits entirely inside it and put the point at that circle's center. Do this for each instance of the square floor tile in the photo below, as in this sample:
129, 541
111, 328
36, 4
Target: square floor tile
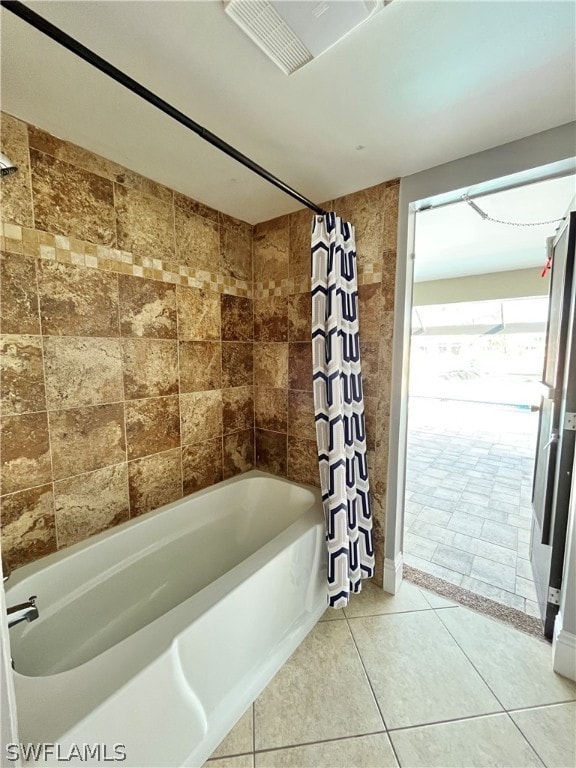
320, 693
240, 761
240, 739
551, 731
483, 742
372, 600
417, 671
517, 667
361, 752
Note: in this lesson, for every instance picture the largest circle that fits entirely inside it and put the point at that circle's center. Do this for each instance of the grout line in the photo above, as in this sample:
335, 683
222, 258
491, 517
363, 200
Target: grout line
366, 672
525, 738
472, 664
464, 718
313, 743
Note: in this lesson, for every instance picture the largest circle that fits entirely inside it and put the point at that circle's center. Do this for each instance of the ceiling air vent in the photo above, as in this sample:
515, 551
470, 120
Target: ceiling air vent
293, 32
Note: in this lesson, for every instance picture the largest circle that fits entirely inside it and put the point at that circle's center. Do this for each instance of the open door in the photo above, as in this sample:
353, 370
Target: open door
555, 443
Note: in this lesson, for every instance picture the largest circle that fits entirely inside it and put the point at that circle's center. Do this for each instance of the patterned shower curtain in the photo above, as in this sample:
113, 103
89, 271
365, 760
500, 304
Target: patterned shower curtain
339, 408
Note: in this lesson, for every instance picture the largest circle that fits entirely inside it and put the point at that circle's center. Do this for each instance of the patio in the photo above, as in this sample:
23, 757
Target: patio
468, 490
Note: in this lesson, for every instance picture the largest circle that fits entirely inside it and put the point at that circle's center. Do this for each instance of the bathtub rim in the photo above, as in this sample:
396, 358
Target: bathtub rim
21, 573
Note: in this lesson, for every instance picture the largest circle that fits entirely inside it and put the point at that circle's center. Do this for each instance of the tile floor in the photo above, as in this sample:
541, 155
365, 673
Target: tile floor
409, 680
468, 491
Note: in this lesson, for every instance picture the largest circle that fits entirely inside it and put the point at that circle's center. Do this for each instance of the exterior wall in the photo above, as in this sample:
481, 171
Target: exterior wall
126, 321
284, 411
510, 284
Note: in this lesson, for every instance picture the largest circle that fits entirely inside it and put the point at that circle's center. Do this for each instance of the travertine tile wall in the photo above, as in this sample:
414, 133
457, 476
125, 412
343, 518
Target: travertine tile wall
135, 323
126, 322
284, 413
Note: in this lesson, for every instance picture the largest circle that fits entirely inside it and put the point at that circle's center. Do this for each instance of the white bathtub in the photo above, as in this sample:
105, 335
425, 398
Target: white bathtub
158, 634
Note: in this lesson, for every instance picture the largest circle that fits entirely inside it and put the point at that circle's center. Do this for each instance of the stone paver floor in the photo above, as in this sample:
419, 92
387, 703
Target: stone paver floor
468, 490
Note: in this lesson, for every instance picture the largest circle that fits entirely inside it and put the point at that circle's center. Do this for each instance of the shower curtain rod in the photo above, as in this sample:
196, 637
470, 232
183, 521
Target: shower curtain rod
68, 42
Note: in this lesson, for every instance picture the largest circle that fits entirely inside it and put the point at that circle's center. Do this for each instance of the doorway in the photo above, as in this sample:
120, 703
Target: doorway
479, 316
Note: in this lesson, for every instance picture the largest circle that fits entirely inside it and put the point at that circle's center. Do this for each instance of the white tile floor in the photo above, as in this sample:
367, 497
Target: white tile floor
409, 680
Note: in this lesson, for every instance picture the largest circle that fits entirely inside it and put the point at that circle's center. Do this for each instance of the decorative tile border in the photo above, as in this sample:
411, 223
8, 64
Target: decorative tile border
69, 250
367, 274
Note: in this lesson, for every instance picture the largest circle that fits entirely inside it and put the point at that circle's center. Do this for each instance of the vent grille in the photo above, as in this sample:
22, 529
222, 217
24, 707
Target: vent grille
263, 24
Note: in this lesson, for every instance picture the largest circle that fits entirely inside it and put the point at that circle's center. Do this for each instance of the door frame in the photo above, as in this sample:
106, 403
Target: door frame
545, 155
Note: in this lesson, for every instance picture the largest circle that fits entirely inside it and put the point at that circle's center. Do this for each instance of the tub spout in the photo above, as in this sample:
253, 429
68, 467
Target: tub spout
22, 612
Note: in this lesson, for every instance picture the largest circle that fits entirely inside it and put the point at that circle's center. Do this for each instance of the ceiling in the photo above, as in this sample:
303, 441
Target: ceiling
421, 83
455, 241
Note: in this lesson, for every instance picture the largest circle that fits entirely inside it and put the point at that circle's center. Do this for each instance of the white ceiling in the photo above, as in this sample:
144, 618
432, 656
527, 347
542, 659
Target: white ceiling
422, 83
455, 240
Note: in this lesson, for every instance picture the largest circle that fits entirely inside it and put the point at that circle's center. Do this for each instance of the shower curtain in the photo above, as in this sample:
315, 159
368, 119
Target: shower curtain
339, 408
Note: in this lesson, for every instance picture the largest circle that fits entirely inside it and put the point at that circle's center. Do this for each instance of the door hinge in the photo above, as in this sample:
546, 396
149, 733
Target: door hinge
570, 421
554, 595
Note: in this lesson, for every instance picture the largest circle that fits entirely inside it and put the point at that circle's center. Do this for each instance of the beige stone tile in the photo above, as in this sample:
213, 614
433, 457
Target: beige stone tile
300, 317
200, 365
551, 731
197, 241
271, 452
271, 319
520, 672
198, 314
82, 371
84, 439
239, 761
21, 375
237, 453
372, 601
240, 739
364, 210
150, 367
271, 247
24, 451
235, 248
154, 481
27, 525
147, 308
201, 465
19, 312
307, 701
360, 751
303, 461
72, 153
237, 320
238, 409
271, 365
300, 366
237, 364
333, 614
90, 503
369, 308
152, 425
300, 243
436, 601
144, 223
271, 409
484, 741
424, 662
200, 416
71, 201
301, 422
76, 301
17, 194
